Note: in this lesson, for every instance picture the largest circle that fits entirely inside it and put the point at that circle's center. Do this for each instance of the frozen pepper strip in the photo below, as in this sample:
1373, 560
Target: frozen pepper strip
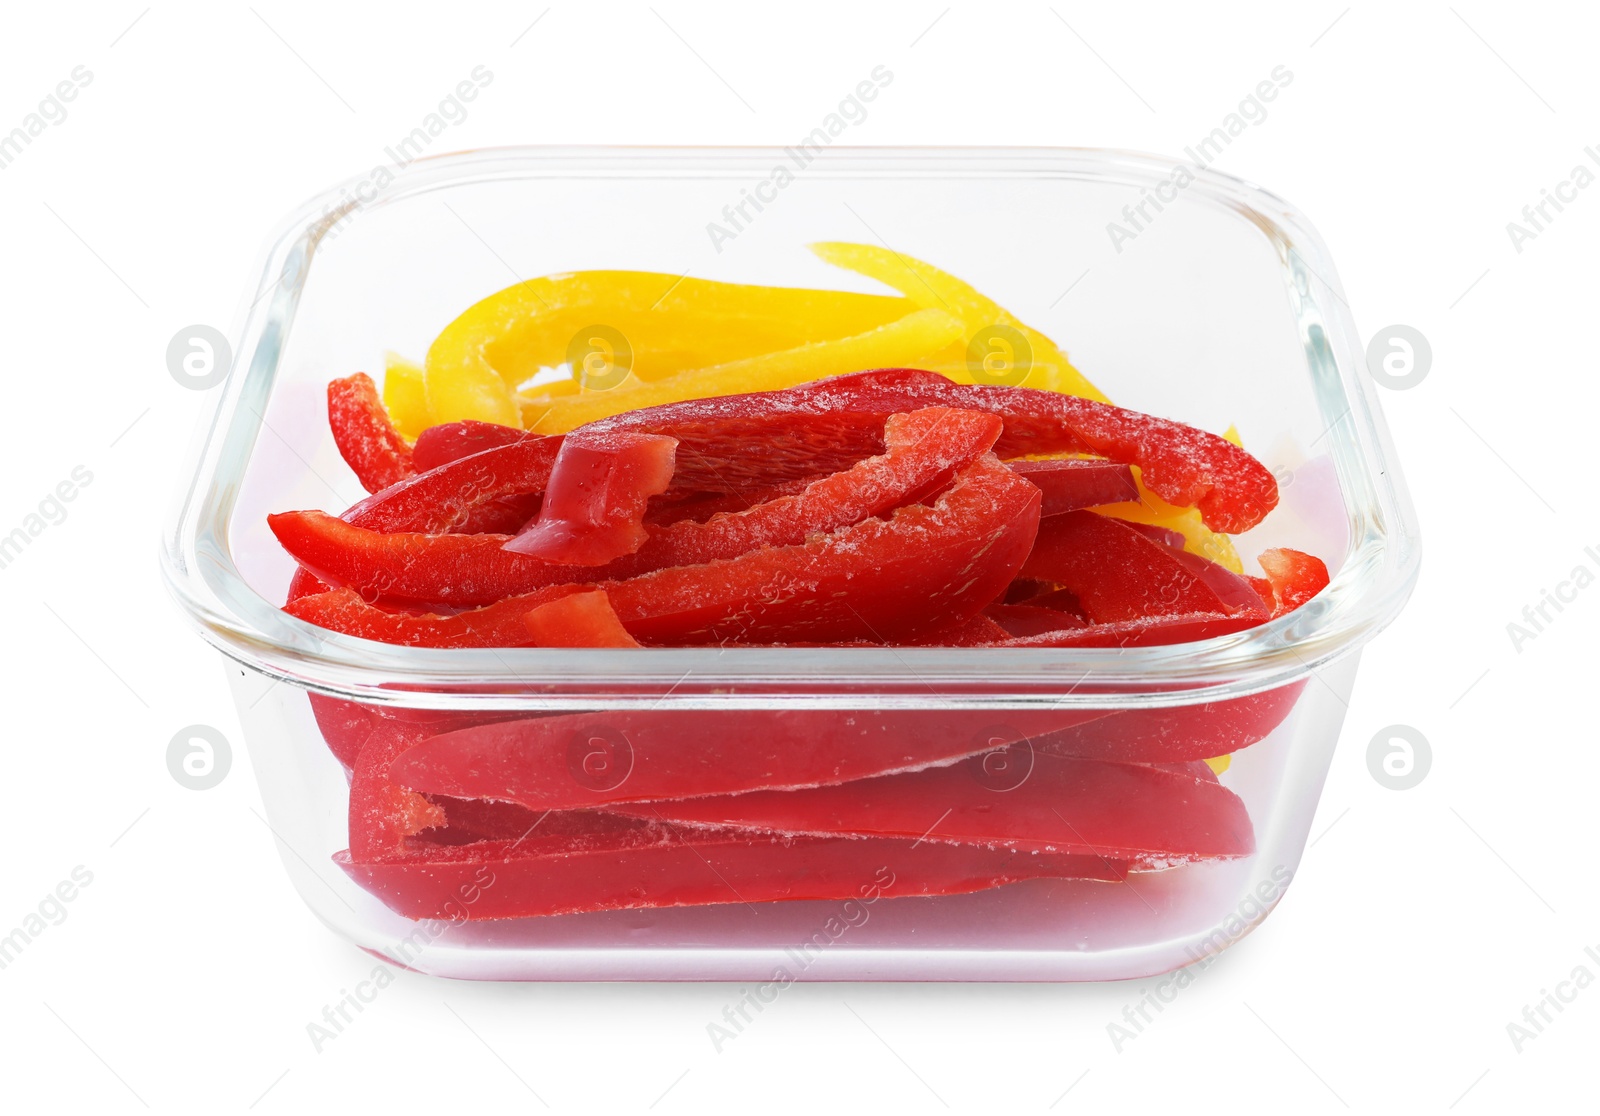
496, 490
882, 580
580, 620
1030, 619
909, 339
386, 819
498, 625
593, 509
451, 441
403, 397
738, 441
1117, 574
924, 451
653, 324
927, 286
1182, 733
665, 866
1150, 631
581, 760
367, 440
1028, 802
1295, 577
1070, 484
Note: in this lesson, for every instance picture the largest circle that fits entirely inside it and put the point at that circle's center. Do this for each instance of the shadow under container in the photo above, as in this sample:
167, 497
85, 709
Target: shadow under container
1224, 309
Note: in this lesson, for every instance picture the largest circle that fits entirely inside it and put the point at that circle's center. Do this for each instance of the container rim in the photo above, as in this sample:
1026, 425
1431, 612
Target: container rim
1373, 582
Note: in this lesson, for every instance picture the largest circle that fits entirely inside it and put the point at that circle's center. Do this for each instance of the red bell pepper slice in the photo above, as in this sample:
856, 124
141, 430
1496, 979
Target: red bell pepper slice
665, 866
387, 819
1166, 536
1117, 574
921, 569
1295, 577
976, 632
582, 760
345, 726
739, 441
580, 620
924, 450
451, 441
1150, 631
1180, 734
1045, 804
1031, 619
496, 490
1070, 484
498, 625
594, 506
676, 505
367, 440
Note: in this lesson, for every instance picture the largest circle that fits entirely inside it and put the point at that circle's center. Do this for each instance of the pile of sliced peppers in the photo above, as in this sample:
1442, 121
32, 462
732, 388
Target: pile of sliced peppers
726, 475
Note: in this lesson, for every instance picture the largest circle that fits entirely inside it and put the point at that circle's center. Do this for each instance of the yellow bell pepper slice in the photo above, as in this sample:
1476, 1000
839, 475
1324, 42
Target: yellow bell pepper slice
1219, 764
931, 288
403, 395
668, 324
916, 334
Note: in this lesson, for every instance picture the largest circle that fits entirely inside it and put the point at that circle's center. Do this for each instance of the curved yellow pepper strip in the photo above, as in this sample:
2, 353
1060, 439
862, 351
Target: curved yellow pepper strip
669, 324
916, 334
931, 288
403, 395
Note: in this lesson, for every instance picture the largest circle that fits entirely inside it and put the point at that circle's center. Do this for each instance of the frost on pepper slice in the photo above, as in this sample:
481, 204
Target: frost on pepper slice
583, 760
739, 441
446, 442
654, 865
367, 440
496, 490
1117, 573
1072, 483
1179, 734
580, 620
1026, 801
924, 450
594, 504
921, 569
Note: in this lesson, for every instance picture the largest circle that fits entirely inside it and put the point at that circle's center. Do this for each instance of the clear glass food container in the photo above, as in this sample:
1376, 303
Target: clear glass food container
1222, 309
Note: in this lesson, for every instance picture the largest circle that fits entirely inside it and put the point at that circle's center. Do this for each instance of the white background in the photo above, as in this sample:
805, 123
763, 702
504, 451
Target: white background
1422, 921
